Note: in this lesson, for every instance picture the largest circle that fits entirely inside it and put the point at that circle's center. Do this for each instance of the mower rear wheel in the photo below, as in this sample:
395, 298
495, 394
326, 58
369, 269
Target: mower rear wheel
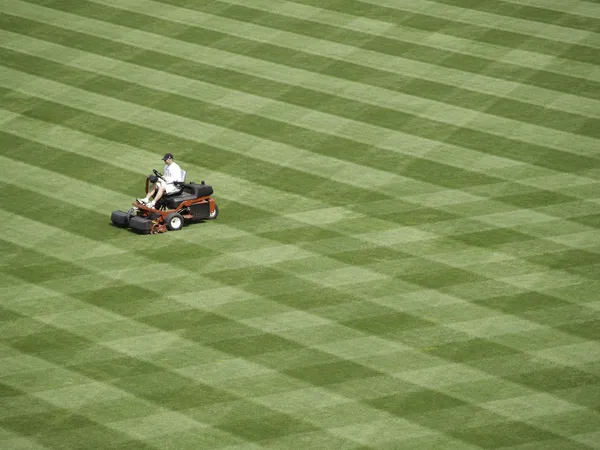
174, 222
213, 215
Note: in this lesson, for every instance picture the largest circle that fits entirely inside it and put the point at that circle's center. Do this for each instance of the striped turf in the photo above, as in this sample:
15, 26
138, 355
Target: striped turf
408, 252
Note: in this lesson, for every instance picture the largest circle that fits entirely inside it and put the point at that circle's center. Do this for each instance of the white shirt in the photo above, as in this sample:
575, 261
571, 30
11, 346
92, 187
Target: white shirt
172, 173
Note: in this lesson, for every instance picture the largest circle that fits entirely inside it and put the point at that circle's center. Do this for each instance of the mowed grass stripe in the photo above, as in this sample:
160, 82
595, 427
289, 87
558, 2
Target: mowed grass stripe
216, 264
336, 54
513, 145
419, 88
449, 227
470, 16
430, 157
191, 130
457, 263
537, 13
115, 368
421, 20
434, 47
344, 50
236, 100
460, 263
165, 376
271, 200
577, 7
86, 66
373, 239
416, 376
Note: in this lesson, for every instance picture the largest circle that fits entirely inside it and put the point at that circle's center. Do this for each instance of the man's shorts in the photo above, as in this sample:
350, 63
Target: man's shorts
170, 188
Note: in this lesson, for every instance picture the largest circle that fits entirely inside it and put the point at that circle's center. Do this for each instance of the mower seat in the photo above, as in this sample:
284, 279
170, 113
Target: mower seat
173, 201
190, 191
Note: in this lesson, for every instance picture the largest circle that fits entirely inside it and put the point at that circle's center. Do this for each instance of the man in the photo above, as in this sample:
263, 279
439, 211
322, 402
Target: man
172, 173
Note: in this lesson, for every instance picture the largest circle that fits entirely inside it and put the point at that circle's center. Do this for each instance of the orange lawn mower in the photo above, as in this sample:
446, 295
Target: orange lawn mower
192, 203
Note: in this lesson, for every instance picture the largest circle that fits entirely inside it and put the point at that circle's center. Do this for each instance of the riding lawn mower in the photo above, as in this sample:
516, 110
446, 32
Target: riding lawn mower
192, 203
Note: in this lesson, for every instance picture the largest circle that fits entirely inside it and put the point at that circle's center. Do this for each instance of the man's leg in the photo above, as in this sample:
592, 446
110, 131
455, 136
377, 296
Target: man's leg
159, 193
151, 193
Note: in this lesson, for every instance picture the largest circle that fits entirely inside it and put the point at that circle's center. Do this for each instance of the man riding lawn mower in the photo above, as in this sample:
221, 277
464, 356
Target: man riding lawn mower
164, 184
175, 202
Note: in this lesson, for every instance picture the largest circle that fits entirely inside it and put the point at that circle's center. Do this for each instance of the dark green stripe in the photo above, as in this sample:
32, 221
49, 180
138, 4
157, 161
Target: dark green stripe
267, 174
395, 47
280, 55
526, 12
459, 29
466, 138
30, 265
289, 134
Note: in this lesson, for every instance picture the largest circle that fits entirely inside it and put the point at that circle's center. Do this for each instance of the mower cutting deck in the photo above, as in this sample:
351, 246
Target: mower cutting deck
192, 204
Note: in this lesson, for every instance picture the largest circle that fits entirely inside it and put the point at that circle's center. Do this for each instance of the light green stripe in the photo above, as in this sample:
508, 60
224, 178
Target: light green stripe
438, 40
581, 8
251, 146
440, 378
494, 21
61, 244
248, 259
425, 108
248, 146
20, 443
531, 406
75, 396
143, 347
229, 187
133, 158
281, 154
214, 135
433, 382
432, 72
66, 189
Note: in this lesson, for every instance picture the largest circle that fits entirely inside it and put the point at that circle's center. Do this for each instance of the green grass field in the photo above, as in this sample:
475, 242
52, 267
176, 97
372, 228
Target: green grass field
408, 250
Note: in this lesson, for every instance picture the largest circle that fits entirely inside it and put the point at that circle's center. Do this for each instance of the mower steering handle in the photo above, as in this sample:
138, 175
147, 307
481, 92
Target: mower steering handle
157, 173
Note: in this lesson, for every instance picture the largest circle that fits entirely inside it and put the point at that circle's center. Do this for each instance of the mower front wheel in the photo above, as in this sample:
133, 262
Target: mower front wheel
213, 215
174, 222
